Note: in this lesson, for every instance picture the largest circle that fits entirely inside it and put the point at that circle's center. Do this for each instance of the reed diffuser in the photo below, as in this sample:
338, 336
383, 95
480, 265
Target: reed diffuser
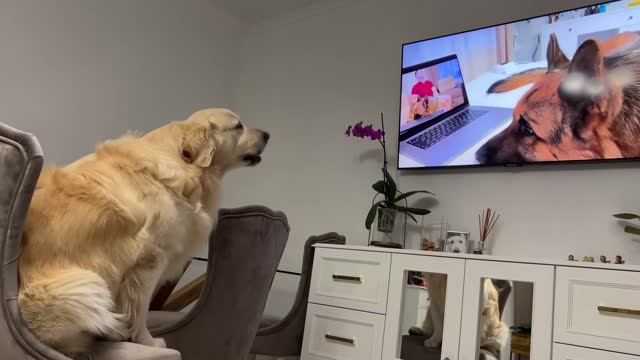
486, 222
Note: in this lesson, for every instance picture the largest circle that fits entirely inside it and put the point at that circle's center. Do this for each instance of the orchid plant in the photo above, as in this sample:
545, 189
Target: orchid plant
386, 187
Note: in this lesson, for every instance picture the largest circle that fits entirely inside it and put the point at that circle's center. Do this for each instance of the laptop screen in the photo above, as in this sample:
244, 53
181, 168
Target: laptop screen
431, 91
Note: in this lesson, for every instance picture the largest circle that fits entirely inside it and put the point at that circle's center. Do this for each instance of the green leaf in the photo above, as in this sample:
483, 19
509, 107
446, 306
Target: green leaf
415, 211
632, 230
412, 217
391, 186
411, 193
626, 216
371, 215
380, 187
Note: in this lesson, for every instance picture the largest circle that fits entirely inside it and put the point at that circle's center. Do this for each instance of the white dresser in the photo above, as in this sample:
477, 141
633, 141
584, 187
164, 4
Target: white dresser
579, 311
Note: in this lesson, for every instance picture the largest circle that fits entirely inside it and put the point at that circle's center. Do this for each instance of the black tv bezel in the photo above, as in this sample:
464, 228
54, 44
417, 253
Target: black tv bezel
495, 165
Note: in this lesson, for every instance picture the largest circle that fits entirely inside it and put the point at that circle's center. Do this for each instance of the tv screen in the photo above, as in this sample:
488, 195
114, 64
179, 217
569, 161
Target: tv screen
563, 87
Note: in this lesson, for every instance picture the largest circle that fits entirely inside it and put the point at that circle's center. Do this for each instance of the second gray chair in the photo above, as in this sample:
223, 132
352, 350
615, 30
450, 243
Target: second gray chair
283, 336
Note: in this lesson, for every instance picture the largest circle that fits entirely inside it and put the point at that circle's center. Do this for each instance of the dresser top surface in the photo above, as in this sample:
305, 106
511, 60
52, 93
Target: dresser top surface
513, 259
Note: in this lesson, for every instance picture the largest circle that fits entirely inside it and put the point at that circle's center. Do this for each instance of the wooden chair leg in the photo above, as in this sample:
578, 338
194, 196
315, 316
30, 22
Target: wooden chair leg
185, 295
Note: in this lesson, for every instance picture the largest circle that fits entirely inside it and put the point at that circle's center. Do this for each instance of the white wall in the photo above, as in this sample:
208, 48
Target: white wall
75, 71
305, 77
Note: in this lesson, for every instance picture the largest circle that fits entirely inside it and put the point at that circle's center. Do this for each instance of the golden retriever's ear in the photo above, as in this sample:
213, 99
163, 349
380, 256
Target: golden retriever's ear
199, 144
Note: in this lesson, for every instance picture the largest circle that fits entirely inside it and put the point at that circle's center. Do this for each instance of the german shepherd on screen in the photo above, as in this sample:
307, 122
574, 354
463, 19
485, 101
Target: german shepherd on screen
585, 108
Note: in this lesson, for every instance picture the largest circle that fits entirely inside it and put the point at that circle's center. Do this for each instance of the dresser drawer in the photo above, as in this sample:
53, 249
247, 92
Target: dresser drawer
351, 279
598, 309
567, 352
341, 334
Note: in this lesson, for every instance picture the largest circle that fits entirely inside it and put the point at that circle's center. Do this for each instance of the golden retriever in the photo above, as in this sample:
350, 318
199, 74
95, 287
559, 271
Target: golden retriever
493, 332
103, 232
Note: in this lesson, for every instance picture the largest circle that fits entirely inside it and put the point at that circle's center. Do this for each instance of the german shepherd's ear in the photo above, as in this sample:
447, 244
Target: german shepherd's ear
585, 81
588, 60
592, 105
199, 144
556, 59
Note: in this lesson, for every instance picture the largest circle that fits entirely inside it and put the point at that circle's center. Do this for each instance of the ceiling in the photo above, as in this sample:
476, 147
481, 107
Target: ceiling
254, 11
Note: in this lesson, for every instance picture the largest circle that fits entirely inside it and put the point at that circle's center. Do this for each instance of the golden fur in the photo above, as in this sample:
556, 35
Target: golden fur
103, 232
493, 332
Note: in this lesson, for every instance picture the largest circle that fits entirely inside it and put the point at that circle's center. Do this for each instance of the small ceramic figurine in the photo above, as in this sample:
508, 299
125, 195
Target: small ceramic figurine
588, 259
603, 259
571, 258
619, 260
428, 245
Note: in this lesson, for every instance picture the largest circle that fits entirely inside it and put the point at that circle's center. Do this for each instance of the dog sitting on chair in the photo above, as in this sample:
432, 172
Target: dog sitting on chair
105, 231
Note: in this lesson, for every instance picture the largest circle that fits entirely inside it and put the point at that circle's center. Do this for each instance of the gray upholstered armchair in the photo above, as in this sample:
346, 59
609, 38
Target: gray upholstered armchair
244, 252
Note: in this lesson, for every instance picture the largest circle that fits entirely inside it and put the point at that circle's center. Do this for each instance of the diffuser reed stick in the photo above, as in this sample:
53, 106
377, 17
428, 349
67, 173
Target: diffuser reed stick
486, 222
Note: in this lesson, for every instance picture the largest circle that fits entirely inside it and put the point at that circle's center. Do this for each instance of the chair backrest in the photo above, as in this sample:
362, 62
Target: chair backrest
284, 338
21, 161
244, 253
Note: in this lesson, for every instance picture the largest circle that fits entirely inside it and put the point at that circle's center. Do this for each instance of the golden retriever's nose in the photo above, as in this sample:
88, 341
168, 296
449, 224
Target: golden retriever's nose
266, 136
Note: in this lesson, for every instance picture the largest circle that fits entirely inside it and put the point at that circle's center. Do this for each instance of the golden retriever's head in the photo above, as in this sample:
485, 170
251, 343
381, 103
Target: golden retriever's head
216, 138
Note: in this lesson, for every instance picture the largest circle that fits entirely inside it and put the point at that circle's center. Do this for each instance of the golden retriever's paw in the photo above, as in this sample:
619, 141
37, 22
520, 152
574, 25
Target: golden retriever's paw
433, 342
146, 339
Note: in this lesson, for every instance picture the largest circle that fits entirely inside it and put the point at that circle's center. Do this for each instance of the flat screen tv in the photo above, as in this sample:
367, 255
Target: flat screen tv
563, 87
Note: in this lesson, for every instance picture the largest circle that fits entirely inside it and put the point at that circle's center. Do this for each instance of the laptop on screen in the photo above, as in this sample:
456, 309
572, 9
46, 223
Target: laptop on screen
442, 124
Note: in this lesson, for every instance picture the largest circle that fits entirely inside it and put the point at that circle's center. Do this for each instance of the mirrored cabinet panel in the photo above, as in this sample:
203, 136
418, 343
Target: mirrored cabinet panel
507, 311
504, 319
424, 308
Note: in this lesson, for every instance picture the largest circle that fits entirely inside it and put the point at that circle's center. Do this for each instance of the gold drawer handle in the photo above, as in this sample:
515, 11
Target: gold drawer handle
340, 339
357, 279
619, 310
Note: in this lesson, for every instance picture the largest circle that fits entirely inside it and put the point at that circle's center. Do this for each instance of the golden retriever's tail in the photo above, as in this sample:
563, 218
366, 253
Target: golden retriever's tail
67, 309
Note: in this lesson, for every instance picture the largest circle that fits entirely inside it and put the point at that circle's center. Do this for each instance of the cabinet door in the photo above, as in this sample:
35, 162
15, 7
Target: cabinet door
421, 285
500, 295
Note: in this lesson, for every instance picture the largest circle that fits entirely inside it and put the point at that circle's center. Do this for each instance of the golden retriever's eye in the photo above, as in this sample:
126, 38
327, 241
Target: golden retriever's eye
524, 128
238, 126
